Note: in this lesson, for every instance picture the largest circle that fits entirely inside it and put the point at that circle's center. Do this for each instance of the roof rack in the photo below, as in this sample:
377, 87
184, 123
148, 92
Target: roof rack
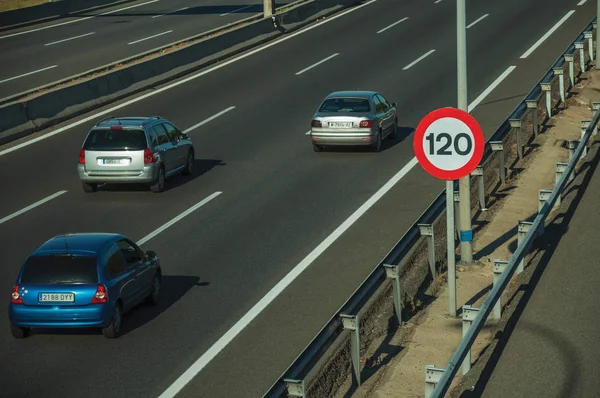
105, 119
151, 118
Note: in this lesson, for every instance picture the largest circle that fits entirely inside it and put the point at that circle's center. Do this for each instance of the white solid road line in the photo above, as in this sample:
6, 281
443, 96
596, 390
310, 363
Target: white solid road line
436, 1
183, 81
477, 21
239, 9
543, 38
195, 126
76, 20
150, 37
240, 325
416, 61
582, 2
27, 74
490, 88
178, 218
30, 207
169, 13
392, 25
70, 38
317, 64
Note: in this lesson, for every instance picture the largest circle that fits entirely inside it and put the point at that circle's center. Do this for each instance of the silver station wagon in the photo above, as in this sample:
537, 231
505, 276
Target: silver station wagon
353, 118
144, 150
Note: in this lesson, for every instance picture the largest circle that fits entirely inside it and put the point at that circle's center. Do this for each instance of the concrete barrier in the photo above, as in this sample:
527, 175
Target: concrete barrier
49, 11
20, 118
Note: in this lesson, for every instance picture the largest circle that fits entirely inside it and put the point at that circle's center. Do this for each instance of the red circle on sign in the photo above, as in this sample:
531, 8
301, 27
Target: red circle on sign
478, 144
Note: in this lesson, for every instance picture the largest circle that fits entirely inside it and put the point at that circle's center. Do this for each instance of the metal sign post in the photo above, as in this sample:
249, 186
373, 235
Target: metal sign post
449, 144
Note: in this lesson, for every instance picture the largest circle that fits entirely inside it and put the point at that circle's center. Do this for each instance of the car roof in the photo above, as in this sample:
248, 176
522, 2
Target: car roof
136, 121
78, 243
355, 93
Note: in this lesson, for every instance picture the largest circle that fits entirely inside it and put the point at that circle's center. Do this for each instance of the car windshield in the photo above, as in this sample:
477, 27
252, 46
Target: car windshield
115, 140
63, 269
345, 105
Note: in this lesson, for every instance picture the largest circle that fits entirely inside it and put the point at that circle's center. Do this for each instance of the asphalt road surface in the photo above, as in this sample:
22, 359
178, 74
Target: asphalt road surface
553, 349
282, 207
41, 54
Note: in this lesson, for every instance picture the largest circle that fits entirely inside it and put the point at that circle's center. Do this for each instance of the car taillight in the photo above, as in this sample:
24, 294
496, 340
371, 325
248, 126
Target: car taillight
316, 123
15, 296
101, 295
366, 123
82, 156
148, 156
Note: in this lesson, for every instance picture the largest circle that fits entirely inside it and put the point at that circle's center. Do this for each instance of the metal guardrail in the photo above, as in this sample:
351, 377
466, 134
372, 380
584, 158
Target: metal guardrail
292, 381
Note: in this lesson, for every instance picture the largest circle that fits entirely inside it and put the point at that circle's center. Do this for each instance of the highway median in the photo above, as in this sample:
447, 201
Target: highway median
43, 107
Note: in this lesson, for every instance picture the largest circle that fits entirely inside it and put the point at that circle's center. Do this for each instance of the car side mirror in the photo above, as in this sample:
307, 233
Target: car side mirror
394, 104
150, 254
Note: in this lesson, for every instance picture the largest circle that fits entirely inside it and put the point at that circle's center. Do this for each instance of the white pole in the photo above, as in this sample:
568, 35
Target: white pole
451, 248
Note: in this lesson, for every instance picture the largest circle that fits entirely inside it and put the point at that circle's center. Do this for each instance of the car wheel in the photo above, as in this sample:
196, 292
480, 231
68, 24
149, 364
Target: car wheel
394, 129
377, 145
159, 186
113, 330
155, 293
19, 333
317, 148
189, 164
89, 188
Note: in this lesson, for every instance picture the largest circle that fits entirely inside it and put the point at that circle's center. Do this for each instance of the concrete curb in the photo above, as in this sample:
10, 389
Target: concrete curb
26, 116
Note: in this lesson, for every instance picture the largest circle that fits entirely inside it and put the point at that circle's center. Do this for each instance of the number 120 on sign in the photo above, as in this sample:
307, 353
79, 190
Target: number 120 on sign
448, 143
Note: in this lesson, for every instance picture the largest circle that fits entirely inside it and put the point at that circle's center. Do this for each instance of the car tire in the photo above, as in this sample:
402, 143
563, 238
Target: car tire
159, 185
89, 188
394, 129
317, 148
189, 164
113, 330
377, 146
19, 333
154, 296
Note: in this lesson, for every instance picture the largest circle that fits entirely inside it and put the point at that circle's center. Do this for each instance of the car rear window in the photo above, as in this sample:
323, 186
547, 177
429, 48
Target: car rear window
60, 269
115, 140
345, 105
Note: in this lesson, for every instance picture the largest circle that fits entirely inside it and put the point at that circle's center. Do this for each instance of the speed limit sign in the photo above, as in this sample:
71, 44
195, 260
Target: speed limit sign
449, 143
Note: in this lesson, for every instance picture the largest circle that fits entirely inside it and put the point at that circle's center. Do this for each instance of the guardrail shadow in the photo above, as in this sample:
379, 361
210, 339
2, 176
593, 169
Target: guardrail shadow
546, 243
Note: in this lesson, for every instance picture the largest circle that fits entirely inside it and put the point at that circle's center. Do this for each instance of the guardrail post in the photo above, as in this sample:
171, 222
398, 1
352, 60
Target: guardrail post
570, 59
590, 39
456, 213
560, 169
522, 229
516, 124
533, 105
351, 323
559, 73
595, 108
427, 230
295, 388
499, 267
547, 88
432, 378
392, 272
543, 196
468, 316
498, 146
572, 146
584, 124
579, 46
478, 172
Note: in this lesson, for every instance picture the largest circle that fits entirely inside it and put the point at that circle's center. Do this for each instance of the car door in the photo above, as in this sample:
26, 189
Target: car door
135, 263
165, 147
179, 142
122, 278
379, 115
389, 113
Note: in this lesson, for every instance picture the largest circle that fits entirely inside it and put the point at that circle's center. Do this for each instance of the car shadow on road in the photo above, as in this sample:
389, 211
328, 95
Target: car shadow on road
201, 167
173, 288
402, 133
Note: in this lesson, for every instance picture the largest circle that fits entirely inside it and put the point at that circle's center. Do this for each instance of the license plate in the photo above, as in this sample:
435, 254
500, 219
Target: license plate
114, 161
57, 297
340, 125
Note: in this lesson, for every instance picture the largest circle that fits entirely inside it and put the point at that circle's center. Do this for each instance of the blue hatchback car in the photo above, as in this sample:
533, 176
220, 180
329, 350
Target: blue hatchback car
83, 280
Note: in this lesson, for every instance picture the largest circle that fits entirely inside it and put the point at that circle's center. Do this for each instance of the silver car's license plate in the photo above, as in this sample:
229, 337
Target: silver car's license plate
57, 297
113, 161
340, 125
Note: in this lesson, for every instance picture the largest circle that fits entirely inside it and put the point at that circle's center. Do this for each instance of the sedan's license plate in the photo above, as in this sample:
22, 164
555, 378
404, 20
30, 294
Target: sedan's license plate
57, 297
340, 125
113, 161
